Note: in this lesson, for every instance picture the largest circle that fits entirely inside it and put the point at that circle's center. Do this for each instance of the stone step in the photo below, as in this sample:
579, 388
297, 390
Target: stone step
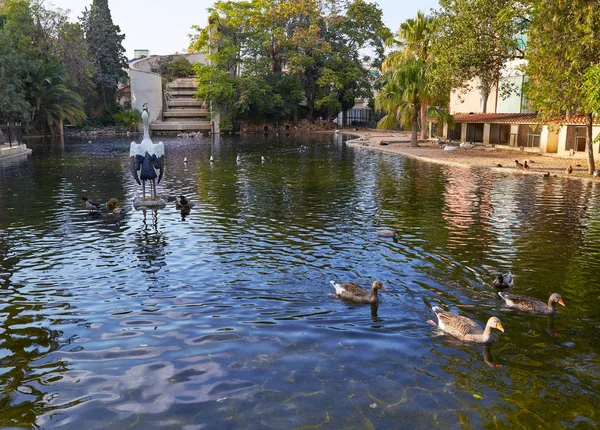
183, 83
181, 126
181, 93
191, 103
185, 113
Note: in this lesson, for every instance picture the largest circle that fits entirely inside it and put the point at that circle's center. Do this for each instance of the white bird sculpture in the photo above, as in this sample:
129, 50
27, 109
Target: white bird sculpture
146, 159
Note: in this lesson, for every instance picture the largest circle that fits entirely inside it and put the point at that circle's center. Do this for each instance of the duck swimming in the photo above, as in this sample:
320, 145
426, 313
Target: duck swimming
92, 205
532, 305
353, 292
504, 281
465, 328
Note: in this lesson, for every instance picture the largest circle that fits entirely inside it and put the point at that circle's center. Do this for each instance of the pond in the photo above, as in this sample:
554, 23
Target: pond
223, 318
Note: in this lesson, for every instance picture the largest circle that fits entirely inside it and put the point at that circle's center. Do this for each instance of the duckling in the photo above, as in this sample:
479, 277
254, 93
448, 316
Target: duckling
181, 202
111, 204
92, 205
569, 170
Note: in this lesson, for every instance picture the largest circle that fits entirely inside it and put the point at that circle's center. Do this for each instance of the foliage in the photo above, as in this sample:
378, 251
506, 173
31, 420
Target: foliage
563, 46
267, 56
404, 92
129, 118
590, 92
474, 39
106, 50
171, 68
51, 100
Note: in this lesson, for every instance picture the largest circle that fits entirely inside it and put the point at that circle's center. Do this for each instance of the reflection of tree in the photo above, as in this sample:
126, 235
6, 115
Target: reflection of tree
151, 243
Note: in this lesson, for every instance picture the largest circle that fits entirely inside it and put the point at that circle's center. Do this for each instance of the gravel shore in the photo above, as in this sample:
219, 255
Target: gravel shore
499, 157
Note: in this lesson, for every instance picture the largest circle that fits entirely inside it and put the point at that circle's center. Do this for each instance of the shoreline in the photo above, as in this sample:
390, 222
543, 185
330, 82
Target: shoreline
499, 158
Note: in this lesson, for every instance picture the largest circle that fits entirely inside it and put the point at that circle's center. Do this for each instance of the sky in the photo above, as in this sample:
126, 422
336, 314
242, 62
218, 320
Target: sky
163, 27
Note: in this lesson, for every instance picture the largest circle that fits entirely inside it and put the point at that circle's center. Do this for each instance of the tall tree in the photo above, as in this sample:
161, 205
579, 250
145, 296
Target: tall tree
272, 54
474, 39
405, 90
414, 41
106, 49
563, 44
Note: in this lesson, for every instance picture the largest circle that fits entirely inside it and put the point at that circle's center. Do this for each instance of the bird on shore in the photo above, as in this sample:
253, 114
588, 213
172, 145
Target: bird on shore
547, 175
465, 328
525, 165
532, 305
353, 292
596, 174
569, 170
504, 280
518, 165
467, 145
449, 147
92, 205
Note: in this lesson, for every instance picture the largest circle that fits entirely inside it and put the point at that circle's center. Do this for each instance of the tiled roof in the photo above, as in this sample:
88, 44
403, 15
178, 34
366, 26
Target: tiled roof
516, 118
495, 118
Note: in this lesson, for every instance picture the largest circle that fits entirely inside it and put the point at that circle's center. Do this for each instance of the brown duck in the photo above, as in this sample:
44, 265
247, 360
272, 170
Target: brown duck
355, 293
532, 305
465, 328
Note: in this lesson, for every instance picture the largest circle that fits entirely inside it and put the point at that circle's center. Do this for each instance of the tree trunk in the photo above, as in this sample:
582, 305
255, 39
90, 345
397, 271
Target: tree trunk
588, 143
423, 121
484, 99
414, 130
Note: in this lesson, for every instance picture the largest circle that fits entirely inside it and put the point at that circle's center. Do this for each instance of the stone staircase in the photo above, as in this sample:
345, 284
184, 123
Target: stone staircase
183, 112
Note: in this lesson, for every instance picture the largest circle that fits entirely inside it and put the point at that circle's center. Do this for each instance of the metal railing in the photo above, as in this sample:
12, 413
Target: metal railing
11, 133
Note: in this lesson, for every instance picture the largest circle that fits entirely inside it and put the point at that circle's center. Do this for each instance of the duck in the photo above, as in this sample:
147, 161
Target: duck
596, 174
467, 145
185, 159
518, 165
262, 159
532, 305
238, 159
525, 165
388, 233
465, 328
449, 147
353, 292
569, 170
92, 205
504, 280
547, 175
111, 204
211, 160
181, 202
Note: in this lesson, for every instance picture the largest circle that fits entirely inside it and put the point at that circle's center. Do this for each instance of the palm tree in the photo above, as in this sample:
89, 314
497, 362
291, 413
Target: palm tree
406, 90
52, 102
414, 40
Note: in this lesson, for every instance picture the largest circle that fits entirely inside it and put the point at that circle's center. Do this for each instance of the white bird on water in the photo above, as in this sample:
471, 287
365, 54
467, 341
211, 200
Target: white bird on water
238, 159
185, 159
262, 158
212, 160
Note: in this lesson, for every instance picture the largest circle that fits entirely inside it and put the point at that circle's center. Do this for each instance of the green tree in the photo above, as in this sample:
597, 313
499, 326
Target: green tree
563, 45
404, 91
106, 50
313, 50
474, 39
51, 101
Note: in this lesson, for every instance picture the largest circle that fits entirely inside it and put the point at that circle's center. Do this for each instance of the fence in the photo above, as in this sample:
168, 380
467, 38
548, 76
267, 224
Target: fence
11, 134
358, 117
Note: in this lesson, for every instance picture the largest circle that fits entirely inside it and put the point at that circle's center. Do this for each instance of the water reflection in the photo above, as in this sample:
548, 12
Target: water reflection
225, 320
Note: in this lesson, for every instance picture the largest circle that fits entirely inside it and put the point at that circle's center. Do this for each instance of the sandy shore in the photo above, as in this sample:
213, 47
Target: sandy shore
498, 157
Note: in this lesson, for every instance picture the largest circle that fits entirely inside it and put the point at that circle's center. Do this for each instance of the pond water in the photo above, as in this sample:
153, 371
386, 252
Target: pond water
223, 318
